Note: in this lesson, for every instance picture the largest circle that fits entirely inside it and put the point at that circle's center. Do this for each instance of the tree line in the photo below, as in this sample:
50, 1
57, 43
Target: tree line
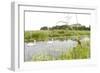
66, 27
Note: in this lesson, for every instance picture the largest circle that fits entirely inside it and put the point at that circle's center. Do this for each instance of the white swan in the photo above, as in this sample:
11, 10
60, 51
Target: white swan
50, 41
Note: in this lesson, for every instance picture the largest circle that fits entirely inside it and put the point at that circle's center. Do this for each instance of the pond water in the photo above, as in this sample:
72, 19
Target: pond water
53, 48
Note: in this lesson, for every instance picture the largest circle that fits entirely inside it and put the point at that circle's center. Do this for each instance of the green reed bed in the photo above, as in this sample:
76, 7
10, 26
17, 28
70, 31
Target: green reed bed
79, 52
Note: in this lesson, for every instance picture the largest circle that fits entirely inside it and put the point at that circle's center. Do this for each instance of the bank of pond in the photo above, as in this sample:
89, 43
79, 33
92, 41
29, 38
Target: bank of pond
57, 50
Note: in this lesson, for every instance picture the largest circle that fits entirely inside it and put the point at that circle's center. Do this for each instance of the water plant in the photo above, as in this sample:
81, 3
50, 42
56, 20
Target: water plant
78, 52
42, 57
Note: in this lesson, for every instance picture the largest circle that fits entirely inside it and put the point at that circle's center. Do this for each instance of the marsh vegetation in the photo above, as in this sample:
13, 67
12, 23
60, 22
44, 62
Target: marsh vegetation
58, 49
57, 33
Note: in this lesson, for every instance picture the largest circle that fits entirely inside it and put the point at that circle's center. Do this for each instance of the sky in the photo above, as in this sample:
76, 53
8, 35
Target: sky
36, 20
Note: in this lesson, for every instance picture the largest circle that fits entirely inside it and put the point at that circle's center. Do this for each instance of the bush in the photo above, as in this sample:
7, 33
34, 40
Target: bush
40, 36
79, 52
27, 36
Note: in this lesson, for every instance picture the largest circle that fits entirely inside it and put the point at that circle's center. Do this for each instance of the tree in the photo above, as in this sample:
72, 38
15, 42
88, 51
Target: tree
44, 28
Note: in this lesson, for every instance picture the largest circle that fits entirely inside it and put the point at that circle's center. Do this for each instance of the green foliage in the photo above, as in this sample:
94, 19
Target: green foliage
79, 52
57, 27
30, 36
44, 28
44, 35
56, 32
68, 27
27, 36
39, 36
42, 57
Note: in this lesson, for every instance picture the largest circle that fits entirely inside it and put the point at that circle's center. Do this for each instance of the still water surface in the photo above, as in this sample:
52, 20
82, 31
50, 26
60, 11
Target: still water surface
53, 48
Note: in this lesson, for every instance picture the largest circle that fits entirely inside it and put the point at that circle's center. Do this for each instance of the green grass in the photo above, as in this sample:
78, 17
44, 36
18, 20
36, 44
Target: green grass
42, 57
30, 36
44, 35
79, 52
